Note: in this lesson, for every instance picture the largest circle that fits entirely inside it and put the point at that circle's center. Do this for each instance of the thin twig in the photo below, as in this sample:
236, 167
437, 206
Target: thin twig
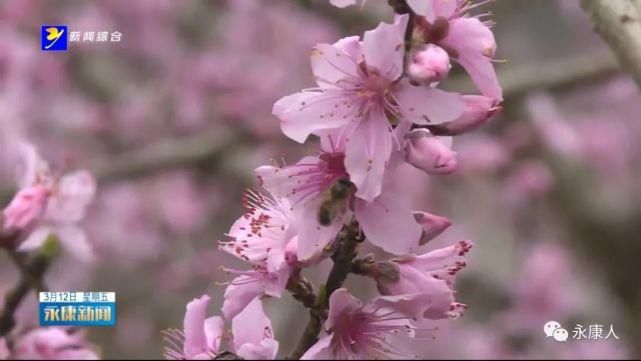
619, 24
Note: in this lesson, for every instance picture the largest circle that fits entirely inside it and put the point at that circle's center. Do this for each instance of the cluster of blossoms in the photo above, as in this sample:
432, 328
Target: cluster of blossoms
49, 343
376, 106
46, 205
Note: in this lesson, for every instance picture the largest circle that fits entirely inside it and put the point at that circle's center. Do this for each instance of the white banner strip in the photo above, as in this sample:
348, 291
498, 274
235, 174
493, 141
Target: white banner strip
78, 297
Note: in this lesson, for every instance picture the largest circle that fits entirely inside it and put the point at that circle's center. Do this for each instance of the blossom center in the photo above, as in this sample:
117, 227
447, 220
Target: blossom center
335, 163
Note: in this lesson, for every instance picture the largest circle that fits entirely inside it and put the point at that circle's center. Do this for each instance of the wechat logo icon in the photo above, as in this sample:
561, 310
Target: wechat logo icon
553, 329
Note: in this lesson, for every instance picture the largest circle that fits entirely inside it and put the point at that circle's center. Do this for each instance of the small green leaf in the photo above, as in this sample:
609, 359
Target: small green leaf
50, 248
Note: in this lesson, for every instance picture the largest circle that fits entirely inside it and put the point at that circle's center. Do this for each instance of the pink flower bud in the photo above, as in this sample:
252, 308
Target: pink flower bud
429, 153
479, 110
429, 65
26, 208
433, 225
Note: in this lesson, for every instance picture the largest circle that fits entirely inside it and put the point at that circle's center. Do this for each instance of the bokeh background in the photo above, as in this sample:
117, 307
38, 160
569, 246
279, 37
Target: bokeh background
174, 117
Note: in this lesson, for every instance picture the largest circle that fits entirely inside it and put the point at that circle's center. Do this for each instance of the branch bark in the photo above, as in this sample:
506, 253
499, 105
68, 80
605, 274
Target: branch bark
348, 240
619, 24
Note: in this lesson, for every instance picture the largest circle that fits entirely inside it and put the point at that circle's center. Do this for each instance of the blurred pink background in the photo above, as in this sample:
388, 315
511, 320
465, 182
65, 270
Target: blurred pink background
173, 118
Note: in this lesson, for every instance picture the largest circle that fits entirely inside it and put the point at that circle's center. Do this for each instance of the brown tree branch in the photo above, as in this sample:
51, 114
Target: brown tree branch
619, 24
302, 290
347, 244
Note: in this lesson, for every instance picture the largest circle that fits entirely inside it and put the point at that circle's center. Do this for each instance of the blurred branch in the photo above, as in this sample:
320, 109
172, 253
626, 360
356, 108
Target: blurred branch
198, 149
608, 238
551, 75
619, 24
185, 151
31, 274
207, 146
351, 21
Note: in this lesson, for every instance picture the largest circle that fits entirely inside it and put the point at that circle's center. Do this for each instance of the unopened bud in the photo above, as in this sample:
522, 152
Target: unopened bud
430, 64
478, 111
432, 224
429, 153
26, 208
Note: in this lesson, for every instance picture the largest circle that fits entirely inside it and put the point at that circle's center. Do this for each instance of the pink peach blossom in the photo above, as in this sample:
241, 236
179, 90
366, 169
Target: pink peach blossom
53, 343
262, 234
432, 273
388, 216
251, 284
50, 205
358, 85
468, 40
200, 337
363, 331
65, 208
253, 336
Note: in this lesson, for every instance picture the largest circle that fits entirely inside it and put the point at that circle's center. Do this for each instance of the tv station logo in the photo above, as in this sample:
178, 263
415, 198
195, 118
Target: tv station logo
77, 308
54, 38
58, 37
